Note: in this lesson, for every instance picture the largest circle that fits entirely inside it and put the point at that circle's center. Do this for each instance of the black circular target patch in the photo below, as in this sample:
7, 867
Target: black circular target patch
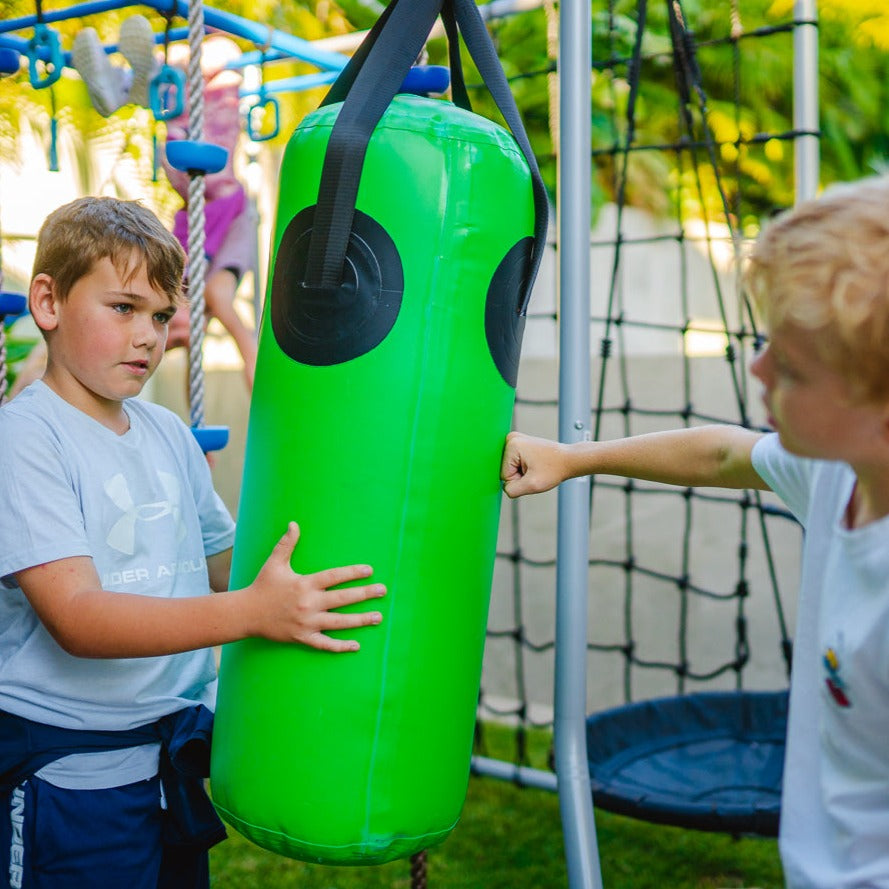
504, 309
325, 326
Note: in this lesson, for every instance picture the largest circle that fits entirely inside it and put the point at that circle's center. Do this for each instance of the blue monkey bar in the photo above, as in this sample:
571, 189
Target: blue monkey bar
286, 45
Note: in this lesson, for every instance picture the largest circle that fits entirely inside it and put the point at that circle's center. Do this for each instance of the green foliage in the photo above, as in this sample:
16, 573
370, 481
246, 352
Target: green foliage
18, 347
746, 92
746, 87
362, 13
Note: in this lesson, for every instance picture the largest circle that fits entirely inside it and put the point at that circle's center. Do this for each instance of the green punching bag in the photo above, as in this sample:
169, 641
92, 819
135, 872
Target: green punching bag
382, 397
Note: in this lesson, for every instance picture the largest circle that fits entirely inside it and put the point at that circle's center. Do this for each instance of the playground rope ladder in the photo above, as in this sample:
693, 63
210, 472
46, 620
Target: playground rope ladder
197, 263
197, 158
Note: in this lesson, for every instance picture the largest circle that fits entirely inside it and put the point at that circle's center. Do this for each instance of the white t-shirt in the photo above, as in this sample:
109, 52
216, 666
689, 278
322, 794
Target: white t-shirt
834, 831
142, 506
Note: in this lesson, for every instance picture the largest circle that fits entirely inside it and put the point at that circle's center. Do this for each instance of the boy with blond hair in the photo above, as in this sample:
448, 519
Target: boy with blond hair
819, 275
111, 535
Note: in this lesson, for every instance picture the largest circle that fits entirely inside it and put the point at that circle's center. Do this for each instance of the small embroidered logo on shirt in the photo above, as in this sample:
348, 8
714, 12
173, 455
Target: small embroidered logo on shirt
833, 680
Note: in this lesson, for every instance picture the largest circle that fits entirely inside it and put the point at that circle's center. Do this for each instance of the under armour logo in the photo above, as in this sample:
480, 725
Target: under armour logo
122, 535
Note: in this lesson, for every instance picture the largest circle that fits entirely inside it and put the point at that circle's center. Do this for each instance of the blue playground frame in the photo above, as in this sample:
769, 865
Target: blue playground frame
276, 44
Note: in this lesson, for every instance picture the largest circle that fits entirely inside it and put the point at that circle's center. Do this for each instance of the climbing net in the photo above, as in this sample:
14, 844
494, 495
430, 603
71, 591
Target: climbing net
683, 588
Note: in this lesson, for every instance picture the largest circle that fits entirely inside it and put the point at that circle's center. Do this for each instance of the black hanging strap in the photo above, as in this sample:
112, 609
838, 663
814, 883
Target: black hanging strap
478, 42
366, 87
458, 85
395, 43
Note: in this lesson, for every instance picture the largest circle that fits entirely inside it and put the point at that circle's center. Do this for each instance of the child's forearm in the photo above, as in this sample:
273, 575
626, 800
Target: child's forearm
88, 621
703, 456
102, 624
717, 456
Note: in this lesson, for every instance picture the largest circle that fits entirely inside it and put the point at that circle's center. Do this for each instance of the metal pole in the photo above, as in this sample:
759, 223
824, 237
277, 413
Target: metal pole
525, 776
805, 98
575, 102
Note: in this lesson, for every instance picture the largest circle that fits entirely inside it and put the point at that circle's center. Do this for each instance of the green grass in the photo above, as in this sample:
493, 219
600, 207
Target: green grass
510, 837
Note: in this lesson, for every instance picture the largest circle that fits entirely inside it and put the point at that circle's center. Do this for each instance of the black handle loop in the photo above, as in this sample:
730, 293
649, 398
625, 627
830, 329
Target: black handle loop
458, 84
367, 85
478, 42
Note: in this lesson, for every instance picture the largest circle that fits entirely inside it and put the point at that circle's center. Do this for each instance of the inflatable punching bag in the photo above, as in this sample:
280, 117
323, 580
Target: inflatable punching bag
384, 389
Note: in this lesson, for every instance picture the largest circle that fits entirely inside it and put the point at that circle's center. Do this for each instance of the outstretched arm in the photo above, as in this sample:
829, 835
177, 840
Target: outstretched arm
705, 456
281, 605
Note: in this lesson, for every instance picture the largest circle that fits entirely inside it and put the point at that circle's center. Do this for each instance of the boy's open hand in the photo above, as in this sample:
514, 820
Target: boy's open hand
530, 465
294, 607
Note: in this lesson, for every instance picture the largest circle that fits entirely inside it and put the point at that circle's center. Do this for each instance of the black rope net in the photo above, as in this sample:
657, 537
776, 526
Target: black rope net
684, 589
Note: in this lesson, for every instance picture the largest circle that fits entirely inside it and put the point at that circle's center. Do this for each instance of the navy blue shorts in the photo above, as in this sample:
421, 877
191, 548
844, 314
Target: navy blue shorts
52, 838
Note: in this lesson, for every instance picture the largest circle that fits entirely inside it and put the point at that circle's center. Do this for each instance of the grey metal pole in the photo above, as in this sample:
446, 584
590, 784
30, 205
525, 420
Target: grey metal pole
575, 102
507, 771
805, 98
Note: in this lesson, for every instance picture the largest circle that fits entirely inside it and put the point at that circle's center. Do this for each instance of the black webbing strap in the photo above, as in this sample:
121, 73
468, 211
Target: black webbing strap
478, 42
458, 85
367, 85
395, 43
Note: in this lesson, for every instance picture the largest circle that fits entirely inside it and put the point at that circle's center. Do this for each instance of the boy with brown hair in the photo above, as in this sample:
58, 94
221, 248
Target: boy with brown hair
820, 277
110, 536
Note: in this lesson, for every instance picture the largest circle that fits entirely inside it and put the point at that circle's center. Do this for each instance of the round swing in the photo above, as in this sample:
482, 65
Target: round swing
708, 761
